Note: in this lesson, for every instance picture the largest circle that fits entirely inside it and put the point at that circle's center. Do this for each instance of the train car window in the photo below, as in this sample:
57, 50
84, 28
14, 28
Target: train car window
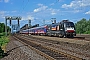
54, 27
49, 27
61, 26
65, 24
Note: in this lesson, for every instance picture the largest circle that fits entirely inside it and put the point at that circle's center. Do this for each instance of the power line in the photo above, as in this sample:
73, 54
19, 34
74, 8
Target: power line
24, 6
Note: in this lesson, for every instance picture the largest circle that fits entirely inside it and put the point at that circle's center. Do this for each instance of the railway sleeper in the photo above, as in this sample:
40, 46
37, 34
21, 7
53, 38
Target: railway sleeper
50, 51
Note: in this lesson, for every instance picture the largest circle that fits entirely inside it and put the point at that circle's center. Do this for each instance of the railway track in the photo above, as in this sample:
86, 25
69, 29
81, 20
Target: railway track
55, 54
73, 48
83, 36
78, 38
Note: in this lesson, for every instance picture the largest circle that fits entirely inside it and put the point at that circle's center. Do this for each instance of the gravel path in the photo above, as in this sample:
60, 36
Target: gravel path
18, 51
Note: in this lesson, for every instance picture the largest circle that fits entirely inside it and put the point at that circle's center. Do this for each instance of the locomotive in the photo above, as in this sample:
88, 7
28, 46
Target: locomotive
64, 28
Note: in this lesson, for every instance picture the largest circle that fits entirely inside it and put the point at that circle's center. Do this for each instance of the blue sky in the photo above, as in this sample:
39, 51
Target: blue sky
39, 10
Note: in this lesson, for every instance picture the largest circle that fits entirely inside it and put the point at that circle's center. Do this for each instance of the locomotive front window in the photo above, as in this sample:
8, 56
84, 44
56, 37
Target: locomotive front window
69, 24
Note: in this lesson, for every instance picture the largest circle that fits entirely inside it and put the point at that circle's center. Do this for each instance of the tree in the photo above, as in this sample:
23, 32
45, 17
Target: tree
2, 28
83, 26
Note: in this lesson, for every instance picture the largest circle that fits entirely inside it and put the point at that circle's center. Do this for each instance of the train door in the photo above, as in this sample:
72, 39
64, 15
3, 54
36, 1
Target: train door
62, 32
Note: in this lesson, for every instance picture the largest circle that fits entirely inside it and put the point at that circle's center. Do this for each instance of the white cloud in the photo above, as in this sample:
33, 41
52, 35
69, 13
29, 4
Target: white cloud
88, 12
53, 13
2, 12
76, 11
77, 4
13, 11
36, 10
62, 12
52, 4
6, 1
28, 17
40, 4
46, 10
6, 13
41, 8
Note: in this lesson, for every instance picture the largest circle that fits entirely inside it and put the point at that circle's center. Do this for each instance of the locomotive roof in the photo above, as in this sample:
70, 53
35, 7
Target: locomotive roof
38, 27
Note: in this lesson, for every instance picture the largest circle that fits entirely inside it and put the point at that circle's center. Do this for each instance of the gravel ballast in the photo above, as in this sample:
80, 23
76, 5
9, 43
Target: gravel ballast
18, 51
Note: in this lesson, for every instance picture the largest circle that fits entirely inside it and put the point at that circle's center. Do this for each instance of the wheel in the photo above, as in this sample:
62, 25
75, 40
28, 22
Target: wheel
61, 36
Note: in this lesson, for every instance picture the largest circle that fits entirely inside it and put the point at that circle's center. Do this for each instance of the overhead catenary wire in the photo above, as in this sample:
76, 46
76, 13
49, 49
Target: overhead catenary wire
25, 5
21, 11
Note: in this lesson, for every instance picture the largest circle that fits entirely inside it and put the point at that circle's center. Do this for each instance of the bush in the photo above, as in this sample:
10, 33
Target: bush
3, 40
2, 34
87, 32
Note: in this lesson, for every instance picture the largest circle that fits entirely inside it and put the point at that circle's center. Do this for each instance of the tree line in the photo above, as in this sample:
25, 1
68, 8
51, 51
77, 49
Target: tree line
2, 28
83, 26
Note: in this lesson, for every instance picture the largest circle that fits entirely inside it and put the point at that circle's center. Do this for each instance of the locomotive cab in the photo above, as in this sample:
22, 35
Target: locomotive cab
69, 29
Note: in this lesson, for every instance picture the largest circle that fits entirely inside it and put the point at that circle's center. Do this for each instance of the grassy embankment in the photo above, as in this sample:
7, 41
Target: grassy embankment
3, 42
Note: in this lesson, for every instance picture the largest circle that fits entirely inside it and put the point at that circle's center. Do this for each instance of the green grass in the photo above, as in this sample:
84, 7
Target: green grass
3, 42
87, 32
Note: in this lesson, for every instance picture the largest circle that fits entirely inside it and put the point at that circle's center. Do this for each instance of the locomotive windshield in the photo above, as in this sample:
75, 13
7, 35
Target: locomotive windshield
69, 24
